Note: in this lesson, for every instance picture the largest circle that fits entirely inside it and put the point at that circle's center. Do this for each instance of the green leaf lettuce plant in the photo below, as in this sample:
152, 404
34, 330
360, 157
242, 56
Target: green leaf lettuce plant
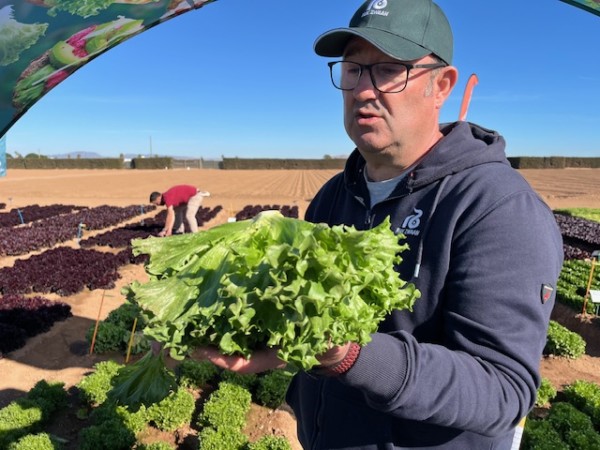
271, 281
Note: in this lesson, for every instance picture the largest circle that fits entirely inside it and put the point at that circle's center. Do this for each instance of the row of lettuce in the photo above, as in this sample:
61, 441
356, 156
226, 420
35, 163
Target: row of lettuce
210, 400
580, 229
570, 419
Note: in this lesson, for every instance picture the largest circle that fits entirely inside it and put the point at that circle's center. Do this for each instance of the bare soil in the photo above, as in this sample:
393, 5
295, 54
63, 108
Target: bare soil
62, 354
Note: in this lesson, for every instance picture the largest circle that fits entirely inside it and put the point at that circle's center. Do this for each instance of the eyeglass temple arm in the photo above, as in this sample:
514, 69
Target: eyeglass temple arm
464, 107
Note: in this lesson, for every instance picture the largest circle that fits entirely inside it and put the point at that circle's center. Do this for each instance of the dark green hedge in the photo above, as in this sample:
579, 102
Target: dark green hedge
74, 163
553, 162
266, 164
152, 163
517, 162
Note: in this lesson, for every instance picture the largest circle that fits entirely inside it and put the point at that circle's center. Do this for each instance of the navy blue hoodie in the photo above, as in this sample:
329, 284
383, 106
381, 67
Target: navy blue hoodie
462, 369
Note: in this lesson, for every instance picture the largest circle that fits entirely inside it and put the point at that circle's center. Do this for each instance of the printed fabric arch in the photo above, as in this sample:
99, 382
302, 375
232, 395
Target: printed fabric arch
43, 42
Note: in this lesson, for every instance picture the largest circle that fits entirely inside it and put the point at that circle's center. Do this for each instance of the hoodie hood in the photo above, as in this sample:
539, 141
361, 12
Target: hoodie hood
464, 145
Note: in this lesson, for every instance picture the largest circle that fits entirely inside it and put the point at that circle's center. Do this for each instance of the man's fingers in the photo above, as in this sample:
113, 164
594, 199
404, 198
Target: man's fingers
259, 362
156, 348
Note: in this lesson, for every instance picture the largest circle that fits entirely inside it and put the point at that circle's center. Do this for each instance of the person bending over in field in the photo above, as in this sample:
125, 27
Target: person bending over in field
182, 202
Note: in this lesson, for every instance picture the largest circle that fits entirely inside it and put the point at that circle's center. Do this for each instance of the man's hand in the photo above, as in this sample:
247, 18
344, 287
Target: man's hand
260, 361
334, 355
156, 347
164, 233
263, 360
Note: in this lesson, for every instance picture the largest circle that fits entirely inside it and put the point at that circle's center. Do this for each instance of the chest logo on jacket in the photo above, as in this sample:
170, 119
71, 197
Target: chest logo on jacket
411, 224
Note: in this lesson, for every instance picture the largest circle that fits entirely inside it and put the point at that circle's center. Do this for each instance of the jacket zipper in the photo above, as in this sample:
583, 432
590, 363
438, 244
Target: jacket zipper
318, 420
369, 221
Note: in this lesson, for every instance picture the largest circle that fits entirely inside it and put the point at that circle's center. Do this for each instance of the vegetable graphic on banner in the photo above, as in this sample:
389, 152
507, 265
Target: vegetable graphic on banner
43, 42
66, 56
17, 37
83, 8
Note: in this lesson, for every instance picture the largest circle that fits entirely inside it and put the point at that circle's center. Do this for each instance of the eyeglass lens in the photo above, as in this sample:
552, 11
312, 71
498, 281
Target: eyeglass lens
386, 77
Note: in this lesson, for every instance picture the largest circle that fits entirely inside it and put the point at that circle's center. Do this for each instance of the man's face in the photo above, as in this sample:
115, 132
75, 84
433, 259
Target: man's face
388, 122
157, 201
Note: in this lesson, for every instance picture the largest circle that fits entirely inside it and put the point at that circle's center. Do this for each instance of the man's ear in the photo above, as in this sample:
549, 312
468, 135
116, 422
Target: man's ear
445, 82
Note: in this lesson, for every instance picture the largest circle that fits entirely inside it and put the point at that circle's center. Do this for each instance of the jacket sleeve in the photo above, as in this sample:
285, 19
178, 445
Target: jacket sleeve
483, 374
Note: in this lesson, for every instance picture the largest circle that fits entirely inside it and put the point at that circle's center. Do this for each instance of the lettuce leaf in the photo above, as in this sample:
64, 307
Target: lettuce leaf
145, 382
83, 8
271, 281
16, 37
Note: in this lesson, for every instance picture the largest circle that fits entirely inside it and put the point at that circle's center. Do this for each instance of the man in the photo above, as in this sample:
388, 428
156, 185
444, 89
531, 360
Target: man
460, 371
182, 202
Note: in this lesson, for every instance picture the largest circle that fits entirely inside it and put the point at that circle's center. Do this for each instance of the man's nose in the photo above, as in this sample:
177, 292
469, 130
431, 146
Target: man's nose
365, 87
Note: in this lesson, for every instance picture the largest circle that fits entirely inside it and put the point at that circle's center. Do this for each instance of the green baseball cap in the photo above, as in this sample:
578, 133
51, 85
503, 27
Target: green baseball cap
402, 29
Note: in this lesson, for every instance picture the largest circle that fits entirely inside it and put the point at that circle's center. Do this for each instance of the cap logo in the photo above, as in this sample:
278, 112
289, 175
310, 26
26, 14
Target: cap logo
376, 7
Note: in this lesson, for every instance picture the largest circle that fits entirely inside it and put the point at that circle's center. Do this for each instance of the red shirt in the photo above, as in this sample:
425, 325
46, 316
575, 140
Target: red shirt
178, 195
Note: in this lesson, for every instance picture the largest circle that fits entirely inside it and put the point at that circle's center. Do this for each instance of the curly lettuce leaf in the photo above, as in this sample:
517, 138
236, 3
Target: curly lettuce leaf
16, 37
83, 8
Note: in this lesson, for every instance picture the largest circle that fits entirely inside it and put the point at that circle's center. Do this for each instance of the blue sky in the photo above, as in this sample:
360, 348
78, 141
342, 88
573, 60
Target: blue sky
240, 78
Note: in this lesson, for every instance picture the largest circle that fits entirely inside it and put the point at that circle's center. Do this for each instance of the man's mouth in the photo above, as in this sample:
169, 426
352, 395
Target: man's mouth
365, 117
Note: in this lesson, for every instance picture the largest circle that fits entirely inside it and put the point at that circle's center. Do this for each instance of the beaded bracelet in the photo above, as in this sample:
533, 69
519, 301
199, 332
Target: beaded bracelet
341, 367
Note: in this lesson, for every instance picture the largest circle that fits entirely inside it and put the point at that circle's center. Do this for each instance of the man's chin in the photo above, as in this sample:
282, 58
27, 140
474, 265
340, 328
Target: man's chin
366, 144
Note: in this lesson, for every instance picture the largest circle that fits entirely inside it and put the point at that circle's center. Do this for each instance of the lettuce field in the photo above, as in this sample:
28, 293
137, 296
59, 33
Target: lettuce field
65, 254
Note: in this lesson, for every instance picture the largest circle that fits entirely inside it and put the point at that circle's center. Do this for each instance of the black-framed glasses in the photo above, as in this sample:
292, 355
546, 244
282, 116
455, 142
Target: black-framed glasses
387, 77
